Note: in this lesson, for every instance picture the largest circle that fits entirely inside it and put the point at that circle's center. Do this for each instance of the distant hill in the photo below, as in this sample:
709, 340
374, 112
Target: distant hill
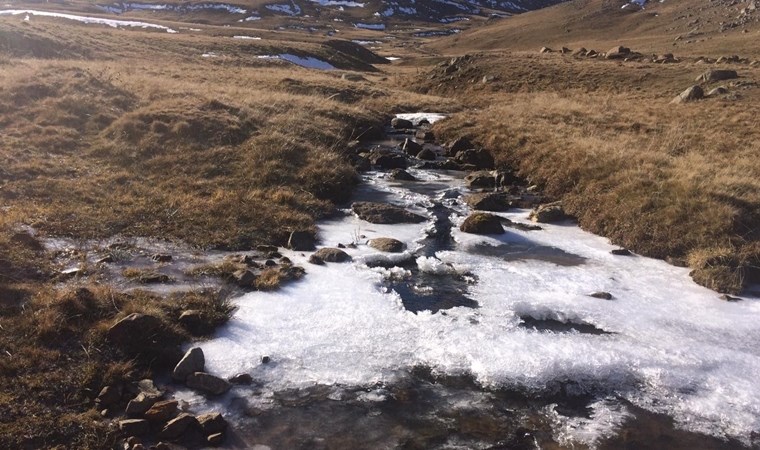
679, 26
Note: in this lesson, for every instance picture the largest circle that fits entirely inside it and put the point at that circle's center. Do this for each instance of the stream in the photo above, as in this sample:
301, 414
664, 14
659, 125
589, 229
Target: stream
467, 341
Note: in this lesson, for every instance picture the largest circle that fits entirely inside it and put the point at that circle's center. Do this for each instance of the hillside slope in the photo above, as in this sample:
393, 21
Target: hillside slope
708, 27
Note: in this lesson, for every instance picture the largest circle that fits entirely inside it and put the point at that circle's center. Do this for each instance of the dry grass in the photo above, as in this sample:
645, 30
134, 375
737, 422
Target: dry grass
661, 179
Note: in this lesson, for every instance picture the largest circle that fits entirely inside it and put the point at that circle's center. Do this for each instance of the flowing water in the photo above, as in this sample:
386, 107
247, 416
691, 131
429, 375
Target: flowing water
466, 341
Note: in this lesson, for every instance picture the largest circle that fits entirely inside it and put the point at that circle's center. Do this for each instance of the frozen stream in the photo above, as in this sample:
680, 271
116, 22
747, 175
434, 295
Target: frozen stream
516, 354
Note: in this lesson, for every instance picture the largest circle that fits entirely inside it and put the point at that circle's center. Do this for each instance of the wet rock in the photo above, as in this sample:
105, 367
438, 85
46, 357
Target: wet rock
162, 411
161, 258
450, 165
410, 147
134, 427
285, 260
728, 298
361, 164
67, 274
212, 423
401, 124
27, 240
482, 223
384, 213
135, 327
426, 155
459, 145
689, 95
269, 263
148, 387
133, 440
265, 359
207, 383
141, 404
601, 295
490, 201
479, 158
401, 175
215, 439
176, 427
425, 135
621, 252
245, 278
549, 213
317, 261
334, 255
481, 179
388, 161
389, 245
193, 361
717, 75
108, 259
545, 50
193, 321
108, 396
301, 241
241, 378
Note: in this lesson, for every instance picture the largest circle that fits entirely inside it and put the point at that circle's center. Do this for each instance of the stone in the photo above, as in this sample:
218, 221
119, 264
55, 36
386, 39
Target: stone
490, 201
728, 298
717, 75
334, 255
388, 161
133, 440
549, 213
426, 155
581, 52
459, 145
425, 135
480, 179
134, 328
720, 90
691, 94
301, 241
265, 359
134, 427
207, 383
618, 52
354, 77
389, 245
482, 223
384, 213
621, 252
410, 147
109, 395
162, 411
241, 378
480, 158
193, 321
193, 361
245, 278
401, 124
215, 439
141, 404
147, 386
401, 175
162, 258
601, 295
545, 50
176, 427
212, 423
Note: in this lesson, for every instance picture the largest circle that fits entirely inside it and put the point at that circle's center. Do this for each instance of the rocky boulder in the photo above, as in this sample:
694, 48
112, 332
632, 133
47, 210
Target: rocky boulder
401, 175
134, 427
384, 213
175, 428
689, 95
482, 223
193, 361
108, 396
334, 255
459, 145
720, 90
401, 124
134, 329
207, 383
425, 135
389, 245
618, 52
301, 241
141, 404
480, 179
388, 161
162, 411
212, 423
717, 75
426, 155
410, 147
241, 378
479, 158
549, 213
490, 201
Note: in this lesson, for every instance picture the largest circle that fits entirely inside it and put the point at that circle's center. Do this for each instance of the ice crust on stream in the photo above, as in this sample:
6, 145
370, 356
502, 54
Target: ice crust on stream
673, 347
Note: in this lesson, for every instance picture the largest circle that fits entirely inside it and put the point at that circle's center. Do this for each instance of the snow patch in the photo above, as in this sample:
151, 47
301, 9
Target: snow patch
86, 19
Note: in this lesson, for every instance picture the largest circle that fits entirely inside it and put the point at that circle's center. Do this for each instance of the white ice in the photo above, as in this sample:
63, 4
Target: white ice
416, 118
370, 26
308, 62
675, 347
250, 38
86, 19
